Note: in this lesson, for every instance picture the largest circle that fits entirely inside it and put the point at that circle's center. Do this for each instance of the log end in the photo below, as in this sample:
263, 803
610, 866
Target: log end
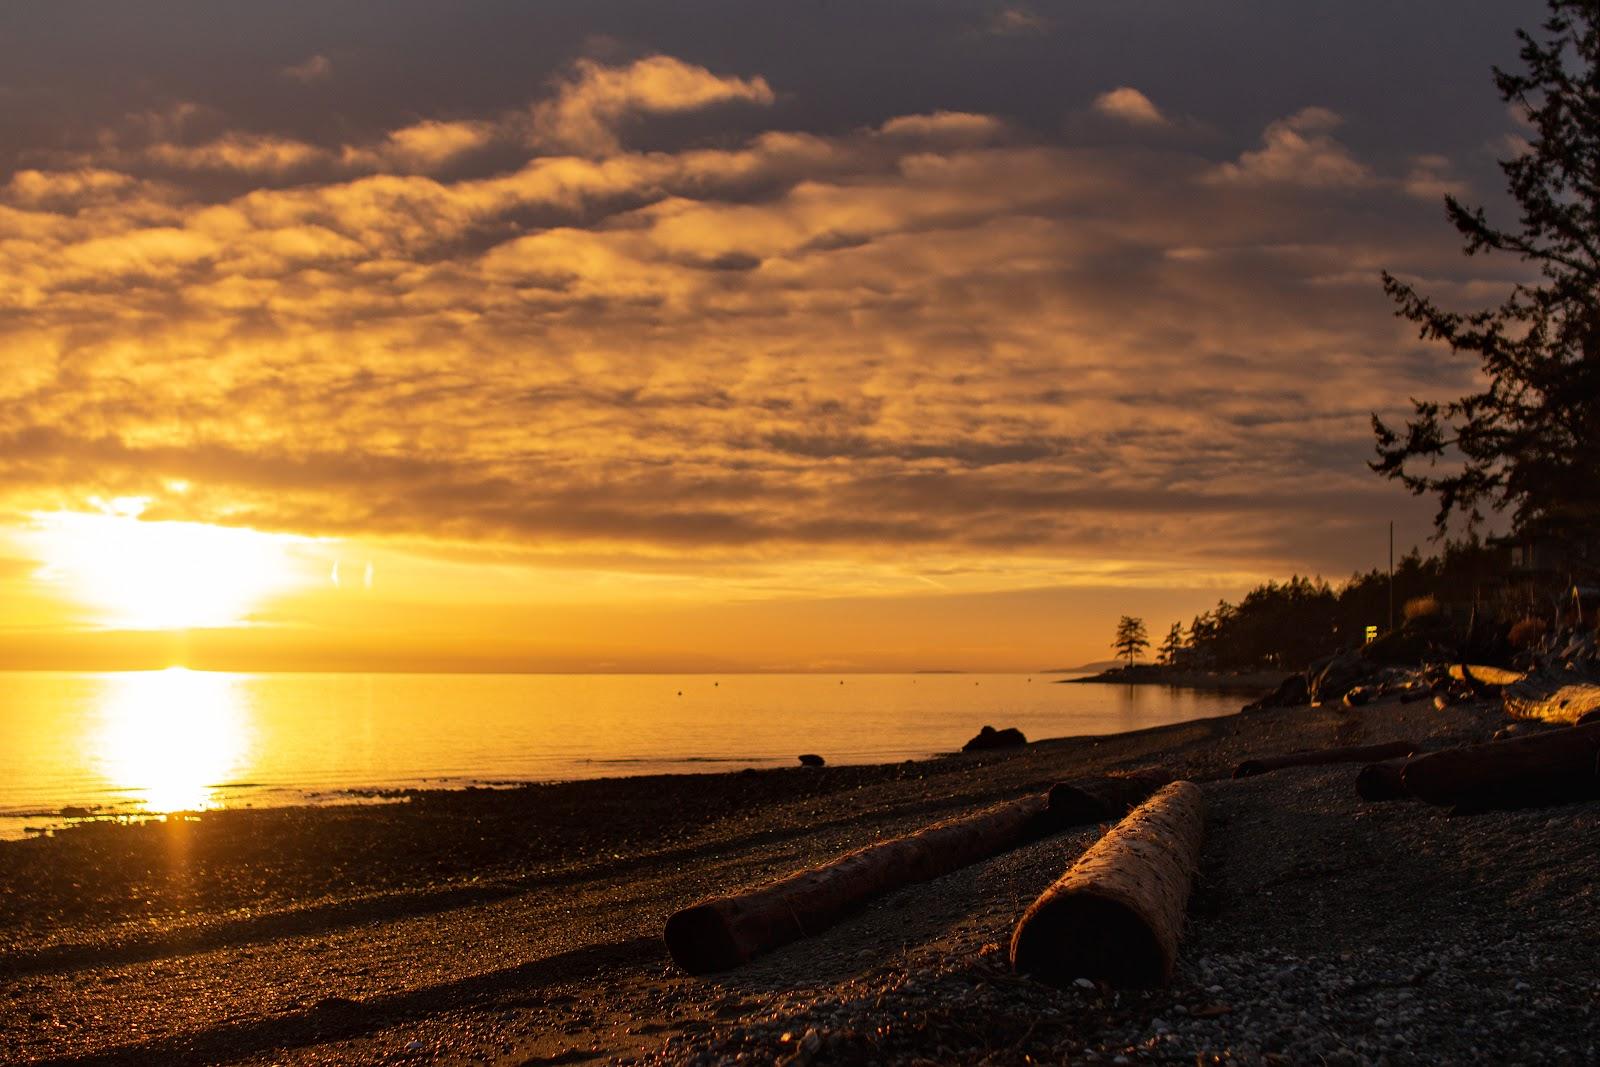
1382, 781
1064, 938
1098, 799
701, 941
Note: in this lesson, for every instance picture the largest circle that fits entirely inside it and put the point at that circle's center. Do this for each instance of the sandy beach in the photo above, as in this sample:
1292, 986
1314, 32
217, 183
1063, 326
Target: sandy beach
523, 926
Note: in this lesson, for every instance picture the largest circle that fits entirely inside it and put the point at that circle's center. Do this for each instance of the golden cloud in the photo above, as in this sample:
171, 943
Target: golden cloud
588, 106
1128, 104
930, 334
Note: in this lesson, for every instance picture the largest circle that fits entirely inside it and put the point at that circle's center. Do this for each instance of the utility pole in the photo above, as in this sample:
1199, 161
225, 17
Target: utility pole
1391, 576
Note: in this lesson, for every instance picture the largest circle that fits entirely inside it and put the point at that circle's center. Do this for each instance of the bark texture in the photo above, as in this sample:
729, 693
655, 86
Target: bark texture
1562, 704
1117, 913
1484, 676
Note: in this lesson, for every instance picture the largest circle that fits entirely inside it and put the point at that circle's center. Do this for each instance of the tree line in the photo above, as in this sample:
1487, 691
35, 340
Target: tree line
1289, 624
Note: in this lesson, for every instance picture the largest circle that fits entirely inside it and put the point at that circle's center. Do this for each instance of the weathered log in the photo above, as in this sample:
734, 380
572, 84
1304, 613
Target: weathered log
1542, 768
1551, 702
1382, 780
1117, 913
723, 932
1318, 756
1087, 800
1488, 676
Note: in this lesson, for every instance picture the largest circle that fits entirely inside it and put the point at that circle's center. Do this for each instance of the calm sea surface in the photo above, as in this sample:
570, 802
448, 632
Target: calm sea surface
181, 740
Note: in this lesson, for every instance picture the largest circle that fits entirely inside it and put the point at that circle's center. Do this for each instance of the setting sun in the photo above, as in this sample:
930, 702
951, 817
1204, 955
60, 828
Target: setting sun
160, 575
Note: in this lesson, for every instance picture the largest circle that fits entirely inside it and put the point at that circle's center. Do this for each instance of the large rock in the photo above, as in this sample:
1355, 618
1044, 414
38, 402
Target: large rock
989, 737
1291, 693
1342, 674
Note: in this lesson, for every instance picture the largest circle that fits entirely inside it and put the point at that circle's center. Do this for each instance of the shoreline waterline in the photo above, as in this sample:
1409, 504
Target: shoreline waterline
146, 743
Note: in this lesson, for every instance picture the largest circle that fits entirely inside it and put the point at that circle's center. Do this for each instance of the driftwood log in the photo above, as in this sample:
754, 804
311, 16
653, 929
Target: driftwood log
1543, 768
1484, 676
1087, 800
1382, 780
1117, 913
1316, 757
1551, 702
723, 932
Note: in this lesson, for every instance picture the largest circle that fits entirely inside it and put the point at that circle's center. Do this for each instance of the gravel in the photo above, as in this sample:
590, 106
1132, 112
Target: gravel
1321, 929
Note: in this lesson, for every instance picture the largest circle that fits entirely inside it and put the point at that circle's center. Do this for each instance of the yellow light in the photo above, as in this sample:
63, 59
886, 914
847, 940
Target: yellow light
160, 575
170, 737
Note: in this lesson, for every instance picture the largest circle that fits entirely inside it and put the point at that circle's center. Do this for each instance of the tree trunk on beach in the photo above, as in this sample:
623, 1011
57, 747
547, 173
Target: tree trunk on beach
1564, 704
717, 934
1491, 677
721, 933
1117, 913
1546, 768
1316, 757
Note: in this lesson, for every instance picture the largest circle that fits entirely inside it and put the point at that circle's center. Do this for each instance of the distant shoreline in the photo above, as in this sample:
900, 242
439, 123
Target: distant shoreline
1150, 674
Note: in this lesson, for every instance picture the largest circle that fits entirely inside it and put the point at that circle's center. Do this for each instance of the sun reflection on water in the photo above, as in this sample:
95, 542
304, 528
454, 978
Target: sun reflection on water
168, 739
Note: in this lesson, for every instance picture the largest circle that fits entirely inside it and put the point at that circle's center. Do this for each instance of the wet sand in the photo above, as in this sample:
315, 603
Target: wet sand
523, 926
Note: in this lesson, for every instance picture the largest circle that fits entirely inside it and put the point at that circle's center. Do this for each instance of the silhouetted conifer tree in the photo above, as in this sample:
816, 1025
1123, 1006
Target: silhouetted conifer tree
1131, 638
1530, 441
1172, 646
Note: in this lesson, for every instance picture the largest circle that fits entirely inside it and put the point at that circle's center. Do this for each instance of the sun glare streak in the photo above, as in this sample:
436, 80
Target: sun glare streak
160, 575
168, 738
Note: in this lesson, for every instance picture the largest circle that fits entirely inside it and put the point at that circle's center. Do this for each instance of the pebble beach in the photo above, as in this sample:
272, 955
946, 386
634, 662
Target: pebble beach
523, 926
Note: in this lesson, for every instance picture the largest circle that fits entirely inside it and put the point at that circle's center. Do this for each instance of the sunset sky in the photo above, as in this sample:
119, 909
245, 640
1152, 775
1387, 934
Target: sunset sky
607, 335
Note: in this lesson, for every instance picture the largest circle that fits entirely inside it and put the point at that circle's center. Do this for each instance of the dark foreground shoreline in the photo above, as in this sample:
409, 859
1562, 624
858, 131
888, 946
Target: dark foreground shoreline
523, 926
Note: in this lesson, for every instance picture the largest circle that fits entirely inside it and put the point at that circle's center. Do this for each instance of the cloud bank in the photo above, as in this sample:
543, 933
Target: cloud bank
940, 335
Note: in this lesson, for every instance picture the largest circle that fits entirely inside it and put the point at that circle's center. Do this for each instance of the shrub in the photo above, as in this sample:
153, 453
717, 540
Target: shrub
1421, 607
1526, 631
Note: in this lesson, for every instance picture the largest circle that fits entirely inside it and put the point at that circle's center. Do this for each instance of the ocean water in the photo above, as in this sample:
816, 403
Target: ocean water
179, 740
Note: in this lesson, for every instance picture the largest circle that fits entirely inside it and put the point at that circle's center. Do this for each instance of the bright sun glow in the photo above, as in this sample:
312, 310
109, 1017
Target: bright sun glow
169, 738
160, 575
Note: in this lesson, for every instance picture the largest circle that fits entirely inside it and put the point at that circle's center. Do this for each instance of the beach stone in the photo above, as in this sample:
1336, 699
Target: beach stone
989, 737
811, 759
